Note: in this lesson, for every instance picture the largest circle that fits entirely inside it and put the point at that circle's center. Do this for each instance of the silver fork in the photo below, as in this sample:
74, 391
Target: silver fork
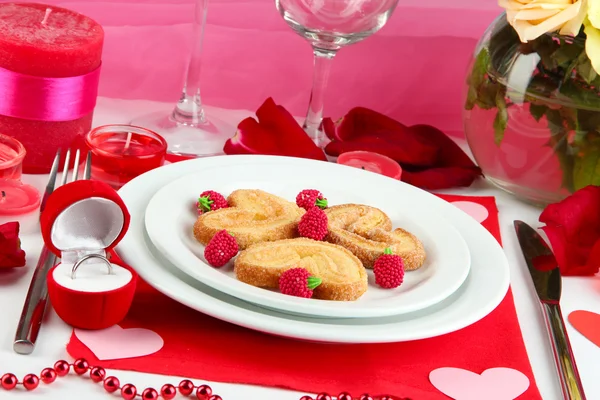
37, 296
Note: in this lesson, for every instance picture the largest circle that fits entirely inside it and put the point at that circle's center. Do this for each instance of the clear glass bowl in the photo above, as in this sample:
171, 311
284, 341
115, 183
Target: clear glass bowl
532, 114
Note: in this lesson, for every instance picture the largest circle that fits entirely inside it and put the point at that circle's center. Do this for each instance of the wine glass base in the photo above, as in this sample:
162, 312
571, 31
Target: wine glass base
202, 140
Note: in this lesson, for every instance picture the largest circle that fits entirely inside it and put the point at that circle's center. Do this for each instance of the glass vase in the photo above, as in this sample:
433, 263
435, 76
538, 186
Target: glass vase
532, 113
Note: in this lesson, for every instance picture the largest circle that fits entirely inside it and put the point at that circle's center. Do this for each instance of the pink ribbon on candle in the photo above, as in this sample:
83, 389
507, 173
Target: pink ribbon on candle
47, 99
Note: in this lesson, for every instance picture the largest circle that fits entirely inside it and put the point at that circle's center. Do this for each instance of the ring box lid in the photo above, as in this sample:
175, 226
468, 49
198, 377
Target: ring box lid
83, 217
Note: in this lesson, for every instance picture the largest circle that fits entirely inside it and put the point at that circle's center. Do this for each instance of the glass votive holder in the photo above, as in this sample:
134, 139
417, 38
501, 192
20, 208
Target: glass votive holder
123, 152
12, 153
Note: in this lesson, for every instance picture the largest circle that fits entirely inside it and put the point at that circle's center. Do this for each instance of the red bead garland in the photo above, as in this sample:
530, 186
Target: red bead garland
48, 375
62, 367
128, 391
31, 381
9, 381
168, 391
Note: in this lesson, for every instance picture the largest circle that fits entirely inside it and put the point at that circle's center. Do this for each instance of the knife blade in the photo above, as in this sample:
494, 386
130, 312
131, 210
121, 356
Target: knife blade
546, 278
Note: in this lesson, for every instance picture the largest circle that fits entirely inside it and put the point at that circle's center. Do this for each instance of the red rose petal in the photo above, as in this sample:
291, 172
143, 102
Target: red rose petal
362, 121
441, 178
275, 133
573, 229
578, 214
11, 254
450, 154
422, 155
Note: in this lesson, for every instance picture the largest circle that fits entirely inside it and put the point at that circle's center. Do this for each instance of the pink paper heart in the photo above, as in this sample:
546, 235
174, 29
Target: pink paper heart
492, 384
117, 343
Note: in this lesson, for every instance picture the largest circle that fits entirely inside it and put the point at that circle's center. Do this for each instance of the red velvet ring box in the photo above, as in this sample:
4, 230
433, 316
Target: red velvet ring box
83, 218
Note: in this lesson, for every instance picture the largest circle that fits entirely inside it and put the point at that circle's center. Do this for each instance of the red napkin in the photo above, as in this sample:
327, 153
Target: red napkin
204, 348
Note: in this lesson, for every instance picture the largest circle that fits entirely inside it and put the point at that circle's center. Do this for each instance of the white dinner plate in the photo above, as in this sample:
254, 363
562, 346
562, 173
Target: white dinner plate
484, 288
171, 214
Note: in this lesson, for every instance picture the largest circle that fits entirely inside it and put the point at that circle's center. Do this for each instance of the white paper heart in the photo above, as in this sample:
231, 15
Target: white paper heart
492, 384
117, 343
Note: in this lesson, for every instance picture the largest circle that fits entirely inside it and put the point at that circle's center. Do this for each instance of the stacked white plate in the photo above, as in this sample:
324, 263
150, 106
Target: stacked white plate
464, 277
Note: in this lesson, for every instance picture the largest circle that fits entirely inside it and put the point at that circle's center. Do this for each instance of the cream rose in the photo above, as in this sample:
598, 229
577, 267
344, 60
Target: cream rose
532, 18
592, 30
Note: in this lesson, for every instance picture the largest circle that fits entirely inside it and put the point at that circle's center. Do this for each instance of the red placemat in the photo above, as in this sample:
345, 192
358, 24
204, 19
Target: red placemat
198, 346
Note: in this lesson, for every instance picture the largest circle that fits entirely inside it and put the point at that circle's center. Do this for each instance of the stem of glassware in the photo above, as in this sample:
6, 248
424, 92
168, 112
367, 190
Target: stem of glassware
323, 60
189, 110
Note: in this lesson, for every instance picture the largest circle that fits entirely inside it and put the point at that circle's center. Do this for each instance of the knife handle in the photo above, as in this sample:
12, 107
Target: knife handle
563, 353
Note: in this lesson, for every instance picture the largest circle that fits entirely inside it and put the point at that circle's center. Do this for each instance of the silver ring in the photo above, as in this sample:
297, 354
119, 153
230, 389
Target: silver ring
87, 257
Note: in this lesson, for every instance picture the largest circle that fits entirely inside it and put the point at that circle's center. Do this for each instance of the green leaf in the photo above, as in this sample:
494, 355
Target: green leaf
537, 111
581, 96
566, 54
501, 120
586, 170
586, 71
313, 282
558, 142
477, 78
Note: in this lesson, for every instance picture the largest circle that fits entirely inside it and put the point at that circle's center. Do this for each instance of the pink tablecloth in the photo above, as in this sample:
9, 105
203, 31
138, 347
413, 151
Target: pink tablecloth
412, 70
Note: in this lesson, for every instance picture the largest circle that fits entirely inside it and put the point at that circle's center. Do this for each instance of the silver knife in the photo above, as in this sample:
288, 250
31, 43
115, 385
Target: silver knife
545, 274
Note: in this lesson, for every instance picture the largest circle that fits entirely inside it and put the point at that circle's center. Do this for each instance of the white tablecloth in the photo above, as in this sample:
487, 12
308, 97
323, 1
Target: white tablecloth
578, 293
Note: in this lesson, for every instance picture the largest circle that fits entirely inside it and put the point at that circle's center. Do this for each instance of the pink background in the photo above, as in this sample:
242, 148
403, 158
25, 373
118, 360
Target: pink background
412, 70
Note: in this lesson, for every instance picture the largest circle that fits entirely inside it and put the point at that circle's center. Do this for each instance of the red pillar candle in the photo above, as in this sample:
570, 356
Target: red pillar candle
122, 152
46, 41
373, 162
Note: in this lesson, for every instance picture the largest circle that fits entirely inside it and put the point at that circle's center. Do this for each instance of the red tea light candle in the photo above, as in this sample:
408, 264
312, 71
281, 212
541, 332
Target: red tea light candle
19, 202
50, 61
12, 153
122, 152
373, 162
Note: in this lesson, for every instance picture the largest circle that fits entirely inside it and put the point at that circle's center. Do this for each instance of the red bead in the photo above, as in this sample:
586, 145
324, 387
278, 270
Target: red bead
48, 375
8, 381
306, 398
323, 396
61, 367
128, 391
30, 381
344, 396
203, 392
215, 397
80, 366
387, 398
111, 384
186, 387
149, 394
168, 391
97, 374
365, 397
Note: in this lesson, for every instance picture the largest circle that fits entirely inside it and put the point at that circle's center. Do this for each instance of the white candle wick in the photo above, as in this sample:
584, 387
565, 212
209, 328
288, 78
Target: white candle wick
48, 11
127, 142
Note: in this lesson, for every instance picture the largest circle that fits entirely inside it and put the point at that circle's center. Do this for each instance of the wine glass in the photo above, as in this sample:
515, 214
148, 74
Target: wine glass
328, 25
186, 128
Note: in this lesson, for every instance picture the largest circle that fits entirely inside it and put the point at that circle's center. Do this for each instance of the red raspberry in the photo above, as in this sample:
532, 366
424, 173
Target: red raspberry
389, 270
308, 198
313, 224
298, 282
221, 248
210, 201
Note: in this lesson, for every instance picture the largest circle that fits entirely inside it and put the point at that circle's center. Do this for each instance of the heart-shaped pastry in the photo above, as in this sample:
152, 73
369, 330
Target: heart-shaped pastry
342, 274
253, 216
367, 231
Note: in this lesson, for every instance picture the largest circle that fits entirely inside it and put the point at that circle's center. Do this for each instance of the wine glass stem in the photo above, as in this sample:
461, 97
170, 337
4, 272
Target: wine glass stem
189, 110
323, 60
